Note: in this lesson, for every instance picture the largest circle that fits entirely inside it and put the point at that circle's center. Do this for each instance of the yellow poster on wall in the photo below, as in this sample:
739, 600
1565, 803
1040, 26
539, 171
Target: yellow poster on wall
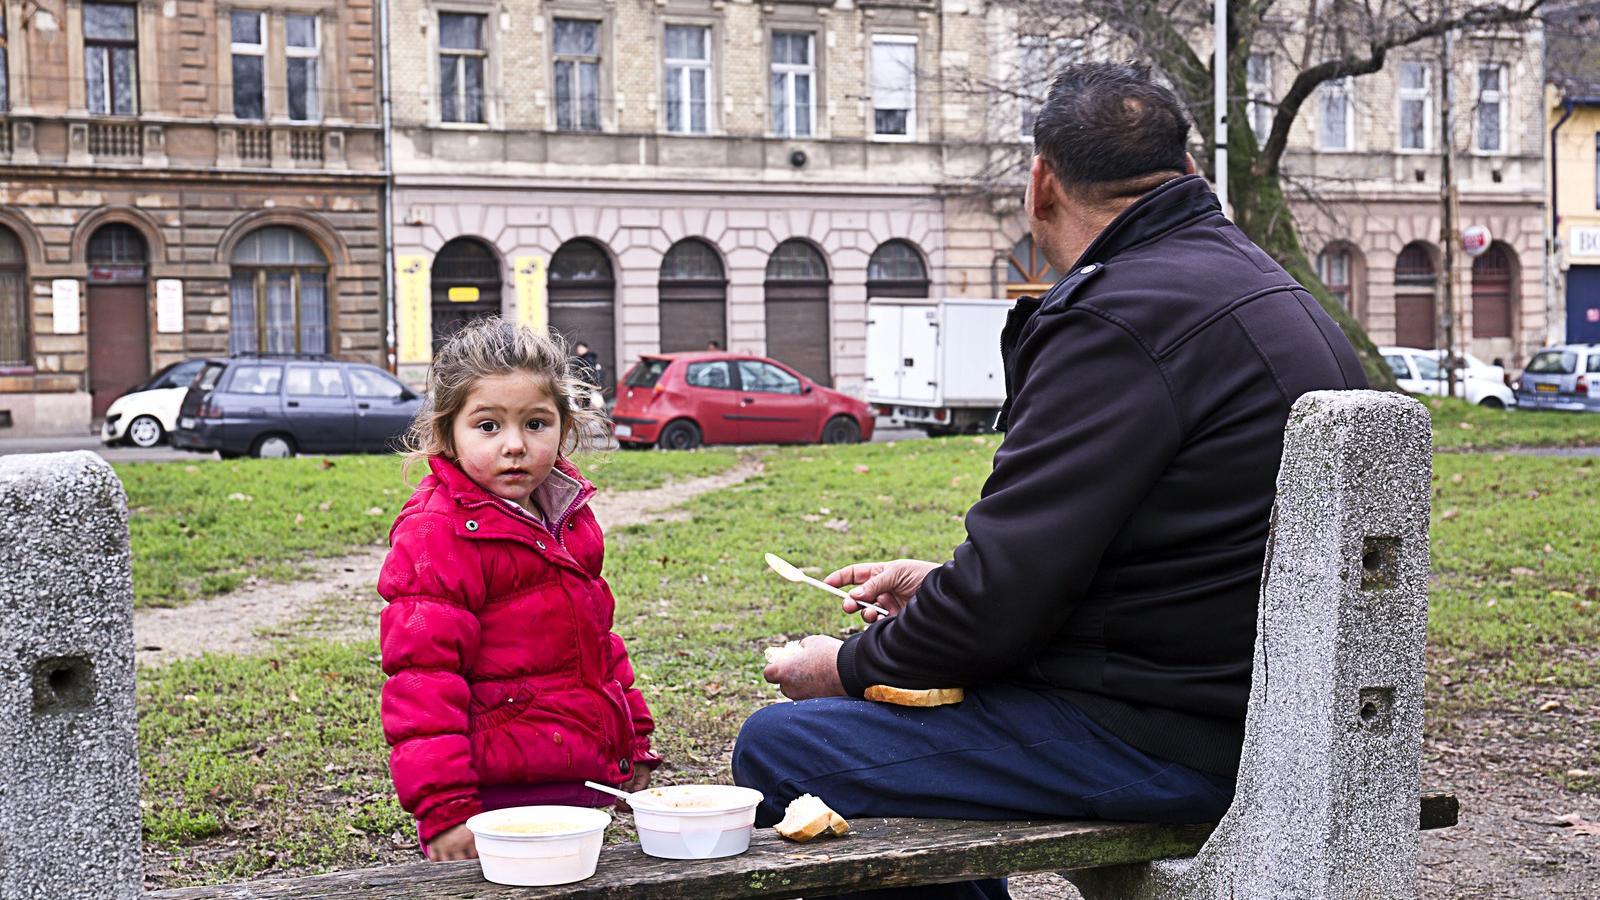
532, 306
414, 325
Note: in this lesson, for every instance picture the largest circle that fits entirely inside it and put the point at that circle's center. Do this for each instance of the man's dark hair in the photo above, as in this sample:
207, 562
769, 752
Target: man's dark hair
1107, 123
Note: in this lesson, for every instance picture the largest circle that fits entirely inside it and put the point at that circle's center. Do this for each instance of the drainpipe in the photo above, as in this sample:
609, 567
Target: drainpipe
387, 204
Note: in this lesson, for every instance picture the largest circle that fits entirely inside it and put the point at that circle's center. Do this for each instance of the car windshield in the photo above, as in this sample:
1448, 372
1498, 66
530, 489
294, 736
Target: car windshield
647, 372
1553, 362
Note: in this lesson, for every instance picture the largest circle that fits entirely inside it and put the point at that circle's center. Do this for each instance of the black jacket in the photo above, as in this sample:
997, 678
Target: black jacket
1115, 554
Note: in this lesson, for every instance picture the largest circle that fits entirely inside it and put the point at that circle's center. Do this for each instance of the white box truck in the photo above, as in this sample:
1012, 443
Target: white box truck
935, 365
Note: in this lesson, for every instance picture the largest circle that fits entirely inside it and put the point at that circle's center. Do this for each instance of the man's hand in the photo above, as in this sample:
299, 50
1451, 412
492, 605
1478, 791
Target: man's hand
639, 781
455, 843
812, 671
891, 585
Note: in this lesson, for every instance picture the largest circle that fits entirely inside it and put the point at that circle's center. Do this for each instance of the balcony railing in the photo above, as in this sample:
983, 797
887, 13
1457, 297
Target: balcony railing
121, 140
306, 146
255, 146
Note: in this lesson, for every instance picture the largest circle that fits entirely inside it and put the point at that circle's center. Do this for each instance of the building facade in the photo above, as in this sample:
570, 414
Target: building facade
1573, 101
181, 179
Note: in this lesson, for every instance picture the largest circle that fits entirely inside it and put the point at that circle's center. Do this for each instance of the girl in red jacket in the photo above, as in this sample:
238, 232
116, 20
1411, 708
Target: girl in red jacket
506, 684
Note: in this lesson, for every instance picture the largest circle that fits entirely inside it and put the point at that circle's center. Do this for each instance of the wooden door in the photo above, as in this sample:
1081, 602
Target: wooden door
119, 341
1413, 320
797, 328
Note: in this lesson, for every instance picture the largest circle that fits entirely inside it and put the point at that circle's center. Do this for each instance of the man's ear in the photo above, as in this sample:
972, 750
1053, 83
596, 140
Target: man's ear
1042, 186
1189, 167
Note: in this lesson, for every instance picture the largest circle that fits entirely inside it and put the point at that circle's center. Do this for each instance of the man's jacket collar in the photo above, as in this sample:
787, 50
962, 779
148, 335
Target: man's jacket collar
1168, 207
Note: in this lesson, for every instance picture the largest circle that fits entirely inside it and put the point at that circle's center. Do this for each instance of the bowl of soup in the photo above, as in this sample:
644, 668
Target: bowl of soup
695, 821
539, 845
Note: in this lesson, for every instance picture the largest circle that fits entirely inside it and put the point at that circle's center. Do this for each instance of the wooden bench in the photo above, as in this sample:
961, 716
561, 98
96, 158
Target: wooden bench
880, 853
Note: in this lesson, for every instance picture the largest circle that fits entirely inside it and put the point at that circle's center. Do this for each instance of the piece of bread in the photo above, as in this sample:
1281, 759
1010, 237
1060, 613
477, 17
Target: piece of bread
882, 693
774, 654
808, 817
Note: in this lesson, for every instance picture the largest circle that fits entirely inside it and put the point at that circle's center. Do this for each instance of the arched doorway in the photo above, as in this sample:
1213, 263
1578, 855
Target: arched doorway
278, 293
466, 286
13, 303
797, 309
896, 270
1492, 302
694, 298
1028, 273
119, 313
1415, 278
583, 301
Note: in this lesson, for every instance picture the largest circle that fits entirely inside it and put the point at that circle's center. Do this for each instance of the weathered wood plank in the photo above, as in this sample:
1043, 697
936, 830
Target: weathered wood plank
880, 853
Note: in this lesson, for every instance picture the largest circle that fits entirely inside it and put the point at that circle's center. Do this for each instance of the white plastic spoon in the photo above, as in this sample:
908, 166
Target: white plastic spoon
790, 573
608, 789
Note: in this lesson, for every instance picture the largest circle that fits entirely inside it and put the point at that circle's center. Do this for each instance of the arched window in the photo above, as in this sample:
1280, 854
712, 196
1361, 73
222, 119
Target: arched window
896, 270
1492, 280
694, 298
583, 301
13, 302
1415, 278
1342, 271
118, 307
1027, 271
466, 286
279, 293
798, 319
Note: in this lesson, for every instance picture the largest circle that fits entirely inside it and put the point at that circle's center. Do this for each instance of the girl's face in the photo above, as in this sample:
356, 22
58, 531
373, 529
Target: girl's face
507, 435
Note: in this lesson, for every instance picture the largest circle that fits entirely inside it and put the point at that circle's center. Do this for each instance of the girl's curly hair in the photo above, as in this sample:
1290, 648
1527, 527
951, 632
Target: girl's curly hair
494, 346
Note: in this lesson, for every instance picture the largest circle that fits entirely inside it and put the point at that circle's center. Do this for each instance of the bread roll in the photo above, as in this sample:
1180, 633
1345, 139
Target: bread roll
882, 693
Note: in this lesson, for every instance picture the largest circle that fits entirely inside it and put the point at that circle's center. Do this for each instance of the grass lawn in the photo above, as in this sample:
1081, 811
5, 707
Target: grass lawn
1458, 425
277, 764
200, 529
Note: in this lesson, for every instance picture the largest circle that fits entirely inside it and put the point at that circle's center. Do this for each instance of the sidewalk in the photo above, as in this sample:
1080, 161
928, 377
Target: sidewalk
10, 445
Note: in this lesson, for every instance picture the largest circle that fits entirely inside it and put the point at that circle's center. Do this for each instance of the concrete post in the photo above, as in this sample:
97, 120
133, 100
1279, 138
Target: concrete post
69, 795
1327, 800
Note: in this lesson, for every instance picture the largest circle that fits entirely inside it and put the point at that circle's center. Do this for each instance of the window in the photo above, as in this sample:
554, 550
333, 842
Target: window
1597, 170
110, 58
303, 47
1027, 270
1554, 362
253, 379
1335, 120
1415, 91
1258, 87
692, 260
5, 83
1398, 365
647, 373
461, 58
577, 61
794, 79
765, 378
895, 270
1491, 118
13, 302
1333, 266
278, 294
371, 383
117, 255
1428, 368
314, 381
796, 261
713, 375
1039, 58
894, 87
249, 56
688, 86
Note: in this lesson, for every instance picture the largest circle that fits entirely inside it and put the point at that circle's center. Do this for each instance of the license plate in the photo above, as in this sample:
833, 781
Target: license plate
186, 422
1546, 388
623, 431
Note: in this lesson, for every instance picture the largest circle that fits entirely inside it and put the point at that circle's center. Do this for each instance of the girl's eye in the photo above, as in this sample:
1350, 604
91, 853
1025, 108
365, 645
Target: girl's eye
535, 425
488, 427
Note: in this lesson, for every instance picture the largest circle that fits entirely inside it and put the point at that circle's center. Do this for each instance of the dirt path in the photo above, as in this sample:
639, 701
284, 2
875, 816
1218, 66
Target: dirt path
341, 603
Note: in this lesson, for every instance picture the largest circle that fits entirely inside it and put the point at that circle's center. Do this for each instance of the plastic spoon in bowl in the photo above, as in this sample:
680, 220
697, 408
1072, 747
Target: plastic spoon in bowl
608, 789
790, 573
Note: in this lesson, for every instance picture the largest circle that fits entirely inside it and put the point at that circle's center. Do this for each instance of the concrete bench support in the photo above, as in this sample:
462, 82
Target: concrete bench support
1326, 807
69, 781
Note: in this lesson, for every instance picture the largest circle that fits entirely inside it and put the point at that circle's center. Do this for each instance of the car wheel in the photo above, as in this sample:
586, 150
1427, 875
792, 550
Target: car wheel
273, 446
679, 435
145, 431
1491, 403
841, 430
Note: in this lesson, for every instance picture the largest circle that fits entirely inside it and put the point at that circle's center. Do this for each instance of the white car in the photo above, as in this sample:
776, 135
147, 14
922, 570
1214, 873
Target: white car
1422, 372
145, 415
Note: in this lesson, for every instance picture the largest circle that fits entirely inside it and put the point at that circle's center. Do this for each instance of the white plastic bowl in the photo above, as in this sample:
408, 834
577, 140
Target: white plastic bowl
695, 821
568, 851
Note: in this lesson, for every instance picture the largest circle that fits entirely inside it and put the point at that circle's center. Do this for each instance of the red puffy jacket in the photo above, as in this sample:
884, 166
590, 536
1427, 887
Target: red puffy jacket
497, 640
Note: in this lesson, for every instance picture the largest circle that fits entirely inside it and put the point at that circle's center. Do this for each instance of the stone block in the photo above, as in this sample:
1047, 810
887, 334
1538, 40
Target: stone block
69, 809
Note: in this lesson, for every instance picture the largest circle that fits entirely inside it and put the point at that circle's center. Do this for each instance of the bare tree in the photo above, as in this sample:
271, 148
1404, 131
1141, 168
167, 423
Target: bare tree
1320, 41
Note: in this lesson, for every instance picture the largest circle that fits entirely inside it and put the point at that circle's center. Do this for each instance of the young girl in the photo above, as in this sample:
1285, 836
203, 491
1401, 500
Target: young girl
506, 684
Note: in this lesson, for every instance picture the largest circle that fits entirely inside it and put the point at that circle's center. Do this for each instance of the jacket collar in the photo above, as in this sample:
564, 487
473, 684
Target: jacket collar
563, 493
1178, 202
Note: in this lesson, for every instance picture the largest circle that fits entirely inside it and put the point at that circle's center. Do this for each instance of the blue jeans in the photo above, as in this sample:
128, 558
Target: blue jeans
1003, 753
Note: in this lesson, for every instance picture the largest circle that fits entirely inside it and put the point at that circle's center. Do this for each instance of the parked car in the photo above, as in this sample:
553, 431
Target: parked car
146, 414
679, 401
267, 405
1564, 377
1423, 372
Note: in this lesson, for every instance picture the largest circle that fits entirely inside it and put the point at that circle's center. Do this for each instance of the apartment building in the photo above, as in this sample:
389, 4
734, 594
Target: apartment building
1573, 102
180, 179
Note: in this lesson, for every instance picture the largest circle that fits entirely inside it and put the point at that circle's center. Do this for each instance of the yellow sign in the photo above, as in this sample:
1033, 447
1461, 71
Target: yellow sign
414, 317
532, 306
463, 294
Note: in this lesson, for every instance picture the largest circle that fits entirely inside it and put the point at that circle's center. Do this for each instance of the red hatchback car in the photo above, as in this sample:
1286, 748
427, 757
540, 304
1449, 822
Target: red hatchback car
678, 401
